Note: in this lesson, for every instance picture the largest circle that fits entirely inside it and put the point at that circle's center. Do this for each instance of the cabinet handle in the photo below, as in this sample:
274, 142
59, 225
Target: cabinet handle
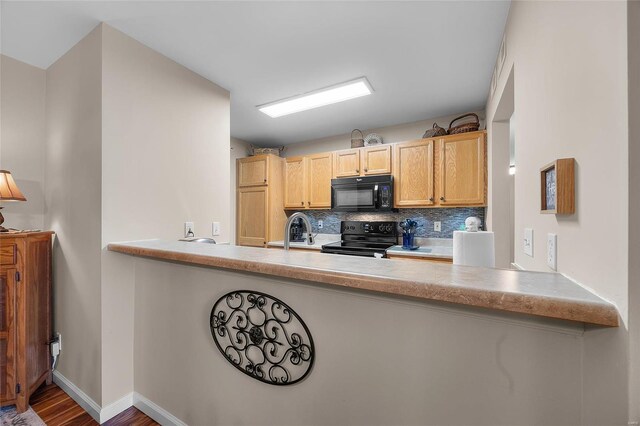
441, 198
431, 199
366, 170
302, 202
309, 202
265, 181
357, 170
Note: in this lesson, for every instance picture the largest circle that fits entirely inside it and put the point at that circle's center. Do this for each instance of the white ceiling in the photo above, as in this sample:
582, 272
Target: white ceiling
423, 59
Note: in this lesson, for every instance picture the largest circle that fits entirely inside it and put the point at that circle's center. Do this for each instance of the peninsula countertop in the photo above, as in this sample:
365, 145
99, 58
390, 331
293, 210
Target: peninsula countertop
542, 294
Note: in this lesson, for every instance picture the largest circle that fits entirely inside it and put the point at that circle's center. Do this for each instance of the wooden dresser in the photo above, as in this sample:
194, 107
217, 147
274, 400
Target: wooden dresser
25, 315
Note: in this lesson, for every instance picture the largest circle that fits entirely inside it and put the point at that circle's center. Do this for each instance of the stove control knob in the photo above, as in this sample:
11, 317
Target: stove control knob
381, 228
388, 228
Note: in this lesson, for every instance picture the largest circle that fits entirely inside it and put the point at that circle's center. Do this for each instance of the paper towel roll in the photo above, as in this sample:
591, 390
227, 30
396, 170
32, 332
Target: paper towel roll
473, 248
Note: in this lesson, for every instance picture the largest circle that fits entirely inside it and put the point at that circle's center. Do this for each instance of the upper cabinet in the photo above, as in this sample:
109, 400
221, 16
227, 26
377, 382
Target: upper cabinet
346, 163
295, 183
320, 172
308, 182
413, 174
461, 173
253, 171
376, 160
449, 171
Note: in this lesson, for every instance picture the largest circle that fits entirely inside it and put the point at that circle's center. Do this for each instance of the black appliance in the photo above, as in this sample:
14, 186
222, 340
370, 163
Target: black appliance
364, 238
296, 230
362, 194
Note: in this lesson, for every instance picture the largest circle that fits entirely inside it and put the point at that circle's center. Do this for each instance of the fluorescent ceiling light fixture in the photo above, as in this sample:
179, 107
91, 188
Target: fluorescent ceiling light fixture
327, 96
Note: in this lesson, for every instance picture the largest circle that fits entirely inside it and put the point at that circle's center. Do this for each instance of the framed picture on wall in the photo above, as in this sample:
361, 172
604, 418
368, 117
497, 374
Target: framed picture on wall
557, 187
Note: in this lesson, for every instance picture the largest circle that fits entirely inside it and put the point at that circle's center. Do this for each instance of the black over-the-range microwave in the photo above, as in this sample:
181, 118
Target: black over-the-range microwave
362, 194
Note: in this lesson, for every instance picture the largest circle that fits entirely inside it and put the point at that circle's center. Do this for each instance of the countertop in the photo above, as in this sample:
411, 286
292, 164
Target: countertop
536, 293
318, 241
441, 248
429, 247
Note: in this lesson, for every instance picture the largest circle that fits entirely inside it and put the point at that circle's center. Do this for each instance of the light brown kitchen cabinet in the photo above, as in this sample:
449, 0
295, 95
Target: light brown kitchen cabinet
295, 183
25, 316
461, 178
253, 171
413, 173
259, 214
320, 172
308, 182
376, 160
346, 163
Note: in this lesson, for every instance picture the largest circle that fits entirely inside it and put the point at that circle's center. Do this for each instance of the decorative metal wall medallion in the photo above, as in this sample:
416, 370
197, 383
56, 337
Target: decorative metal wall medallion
262, 337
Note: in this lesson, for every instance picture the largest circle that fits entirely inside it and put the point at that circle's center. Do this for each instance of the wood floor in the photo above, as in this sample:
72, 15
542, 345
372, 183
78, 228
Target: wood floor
56, 408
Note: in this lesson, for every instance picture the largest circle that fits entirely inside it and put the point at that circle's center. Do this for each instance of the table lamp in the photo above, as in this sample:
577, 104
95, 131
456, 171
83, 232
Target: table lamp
9, 191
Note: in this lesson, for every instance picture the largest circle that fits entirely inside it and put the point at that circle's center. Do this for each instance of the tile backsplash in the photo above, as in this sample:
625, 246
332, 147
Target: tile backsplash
451, 218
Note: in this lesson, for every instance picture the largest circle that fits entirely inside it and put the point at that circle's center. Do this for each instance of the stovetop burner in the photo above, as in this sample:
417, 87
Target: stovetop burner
364, 238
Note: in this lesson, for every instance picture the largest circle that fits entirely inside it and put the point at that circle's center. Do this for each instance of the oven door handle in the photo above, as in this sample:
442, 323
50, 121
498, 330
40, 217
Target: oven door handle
375, 196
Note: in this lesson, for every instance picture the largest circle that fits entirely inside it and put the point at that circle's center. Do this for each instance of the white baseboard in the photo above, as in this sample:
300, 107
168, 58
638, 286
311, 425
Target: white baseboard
83, 400
101, 415
156, 412
116, 408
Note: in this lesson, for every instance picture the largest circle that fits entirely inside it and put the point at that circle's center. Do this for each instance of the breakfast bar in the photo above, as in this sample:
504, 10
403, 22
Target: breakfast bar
542, 294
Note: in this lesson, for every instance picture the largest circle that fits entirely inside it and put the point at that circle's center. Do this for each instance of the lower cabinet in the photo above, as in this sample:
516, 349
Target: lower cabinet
253, 216
25, 316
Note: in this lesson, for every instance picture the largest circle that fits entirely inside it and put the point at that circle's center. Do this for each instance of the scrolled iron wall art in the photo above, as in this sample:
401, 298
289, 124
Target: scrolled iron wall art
262, 336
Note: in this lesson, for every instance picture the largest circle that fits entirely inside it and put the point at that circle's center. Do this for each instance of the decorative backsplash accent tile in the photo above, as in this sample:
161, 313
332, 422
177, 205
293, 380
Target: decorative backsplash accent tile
451, 218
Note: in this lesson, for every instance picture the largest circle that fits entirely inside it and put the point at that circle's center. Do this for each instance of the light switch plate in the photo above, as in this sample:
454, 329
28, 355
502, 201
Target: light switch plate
552, 251
320, 224
528, 242
189, 230
437, 226
215, 229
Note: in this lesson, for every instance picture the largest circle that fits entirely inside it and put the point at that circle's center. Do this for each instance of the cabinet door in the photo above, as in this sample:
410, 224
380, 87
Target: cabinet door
319, 173
413, 173
252, 216
347, 163
7, 334
461, 175
376, 160
295, 183
253, 171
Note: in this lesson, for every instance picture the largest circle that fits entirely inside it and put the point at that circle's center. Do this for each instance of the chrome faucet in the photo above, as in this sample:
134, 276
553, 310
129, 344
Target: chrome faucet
287, 228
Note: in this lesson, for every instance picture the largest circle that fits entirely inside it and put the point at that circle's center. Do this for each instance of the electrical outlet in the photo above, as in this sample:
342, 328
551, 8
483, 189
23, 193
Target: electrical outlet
215, 229
320, 224
189, 230
528, 241
437, 226
552, 251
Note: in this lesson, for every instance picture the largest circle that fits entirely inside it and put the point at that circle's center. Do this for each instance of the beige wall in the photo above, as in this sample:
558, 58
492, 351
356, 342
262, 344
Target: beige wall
556, 119
390, 134
73, 207
569, 63
22, 139
239, 149
165, 157
634, 207
379, 360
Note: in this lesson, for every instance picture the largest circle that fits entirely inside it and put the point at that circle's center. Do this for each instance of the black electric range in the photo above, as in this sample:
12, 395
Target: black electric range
364, 238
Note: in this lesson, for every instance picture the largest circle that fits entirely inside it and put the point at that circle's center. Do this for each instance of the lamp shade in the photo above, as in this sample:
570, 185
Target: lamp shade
9, 191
